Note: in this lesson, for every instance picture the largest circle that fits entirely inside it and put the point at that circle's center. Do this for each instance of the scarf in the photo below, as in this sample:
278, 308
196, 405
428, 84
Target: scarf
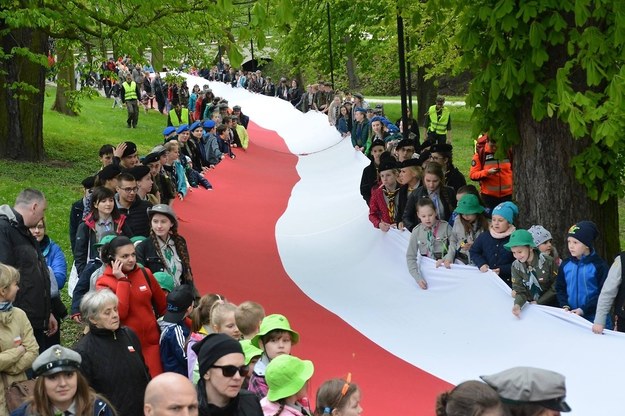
6, 306
173, 262
505, 234
431, 239
390, 198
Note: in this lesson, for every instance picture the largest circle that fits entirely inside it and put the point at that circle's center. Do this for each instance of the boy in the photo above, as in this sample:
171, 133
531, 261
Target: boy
581, 276
173, 330
224, 140
275, 337
106, 155
211, 145
248, 318
383, 204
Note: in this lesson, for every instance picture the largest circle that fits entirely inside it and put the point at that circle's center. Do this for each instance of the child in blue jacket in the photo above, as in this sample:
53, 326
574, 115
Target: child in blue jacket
581, 276
174, 332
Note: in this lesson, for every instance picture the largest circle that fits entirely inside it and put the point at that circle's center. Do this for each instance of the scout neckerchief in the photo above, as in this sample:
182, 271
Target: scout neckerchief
432, 238
168, 248
535, 289
390, 197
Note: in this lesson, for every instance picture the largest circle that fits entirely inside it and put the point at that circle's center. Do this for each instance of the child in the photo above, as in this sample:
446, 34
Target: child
174, 332
287, 377
252, 355
165, 281
383, 204
275, 338
533, 273
224, 141
542, 239
470, 223
248, 317
462, 191
612, 295
222, 319
338, 397
200, 327
430, 238
410, 176
369, 179
581, 276
488, 251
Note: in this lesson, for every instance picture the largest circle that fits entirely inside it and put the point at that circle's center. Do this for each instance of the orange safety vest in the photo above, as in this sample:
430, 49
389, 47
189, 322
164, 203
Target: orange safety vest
497, 185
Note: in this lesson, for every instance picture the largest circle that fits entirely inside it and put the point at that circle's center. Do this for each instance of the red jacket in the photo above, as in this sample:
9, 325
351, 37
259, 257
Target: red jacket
135, 308
378, 209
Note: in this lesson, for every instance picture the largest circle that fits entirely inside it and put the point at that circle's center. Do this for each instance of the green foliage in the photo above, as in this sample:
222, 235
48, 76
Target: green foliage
566, 58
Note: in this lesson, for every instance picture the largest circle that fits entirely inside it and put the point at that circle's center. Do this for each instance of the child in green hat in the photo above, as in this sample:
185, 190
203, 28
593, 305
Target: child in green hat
533, 273
287, 377
275, 338
470, 223
252, 355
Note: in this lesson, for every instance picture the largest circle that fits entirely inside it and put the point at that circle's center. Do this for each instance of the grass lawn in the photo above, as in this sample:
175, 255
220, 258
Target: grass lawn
72, 145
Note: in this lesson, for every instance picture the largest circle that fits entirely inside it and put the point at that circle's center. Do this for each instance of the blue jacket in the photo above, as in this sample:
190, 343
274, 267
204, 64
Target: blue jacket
579, 283
55, 259
100, 408
173, 353
489, 250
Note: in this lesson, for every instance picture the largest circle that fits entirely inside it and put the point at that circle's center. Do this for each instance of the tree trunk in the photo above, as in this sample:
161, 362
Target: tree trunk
425, 95
350, 67
65, 80
21, 111
545, 187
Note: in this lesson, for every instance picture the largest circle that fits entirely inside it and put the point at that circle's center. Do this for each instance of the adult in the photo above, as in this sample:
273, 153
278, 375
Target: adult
170, 394
282, 91
222, 371
359, 102
442, 153
413, 127
145, 183
243, 119
18, 248
130, 96
165, 250
15, 357
159, 92
493, 174
437, 127
147, 87
269, 88
178, 115
405, 150
77, 209
123, 376
530, 391
61, 389
135, 209
360, 130
139, 294
370, 177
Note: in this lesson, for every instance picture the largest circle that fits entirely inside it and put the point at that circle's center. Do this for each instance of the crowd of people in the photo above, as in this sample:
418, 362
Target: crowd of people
132, 284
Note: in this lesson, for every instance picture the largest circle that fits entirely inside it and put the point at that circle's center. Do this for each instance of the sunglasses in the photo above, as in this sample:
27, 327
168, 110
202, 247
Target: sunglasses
231, 370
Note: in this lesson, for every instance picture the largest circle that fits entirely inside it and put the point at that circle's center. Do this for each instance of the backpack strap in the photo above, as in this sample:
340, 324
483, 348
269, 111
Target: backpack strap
147, 279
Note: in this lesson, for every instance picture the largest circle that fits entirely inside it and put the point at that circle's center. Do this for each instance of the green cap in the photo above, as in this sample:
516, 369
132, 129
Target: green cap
286, 375
469, 204
520, 238
165, 280
105, 240
137, 239
250, 351
272, 322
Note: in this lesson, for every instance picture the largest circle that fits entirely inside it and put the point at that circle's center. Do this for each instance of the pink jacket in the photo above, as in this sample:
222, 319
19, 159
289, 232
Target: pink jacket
271, 408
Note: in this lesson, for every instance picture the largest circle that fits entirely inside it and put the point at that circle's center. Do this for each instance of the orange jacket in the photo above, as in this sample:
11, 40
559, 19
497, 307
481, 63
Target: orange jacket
498, 184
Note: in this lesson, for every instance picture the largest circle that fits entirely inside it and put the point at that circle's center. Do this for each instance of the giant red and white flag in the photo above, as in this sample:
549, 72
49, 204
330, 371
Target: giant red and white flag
286, 226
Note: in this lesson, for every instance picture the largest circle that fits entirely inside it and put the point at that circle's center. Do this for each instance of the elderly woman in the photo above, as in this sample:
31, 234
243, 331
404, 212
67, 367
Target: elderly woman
222, 371
60, 389
123, 375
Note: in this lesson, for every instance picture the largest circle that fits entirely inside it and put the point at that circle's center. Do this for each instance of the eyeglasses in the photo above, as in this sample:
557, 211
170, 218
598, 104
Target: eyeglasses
231, 370
130, 190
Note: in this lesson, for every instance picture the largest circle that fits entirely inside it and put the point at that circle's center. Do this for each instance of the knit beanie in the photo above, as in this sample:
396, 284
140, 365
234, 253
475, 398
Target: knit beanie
584, 231
508, 210
540, 234
212, 348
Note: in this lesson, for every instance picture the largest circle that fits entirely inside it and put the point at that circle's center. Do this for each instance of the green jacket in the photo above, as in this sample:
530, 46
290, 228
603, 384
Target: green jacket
544, 268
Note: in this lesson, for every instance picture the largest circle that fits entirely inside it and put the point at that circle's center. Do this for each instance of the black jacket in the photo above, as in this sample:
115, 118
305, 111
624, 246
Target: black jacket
86, 238
18, 248
454, 178
75, 218
137, 217
147, 256
368, 180
245, 404
448, 199
113, 364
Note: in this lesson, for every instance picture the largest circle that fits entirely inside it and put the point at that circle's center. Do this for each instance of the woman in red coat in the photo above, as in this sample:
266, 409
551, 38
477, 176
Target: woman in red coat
139, 294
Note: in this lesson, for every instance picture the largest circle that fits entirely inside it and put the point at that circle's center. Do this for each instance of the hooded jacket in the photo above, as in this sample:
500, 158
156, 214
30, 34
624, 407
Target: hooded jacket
18, 248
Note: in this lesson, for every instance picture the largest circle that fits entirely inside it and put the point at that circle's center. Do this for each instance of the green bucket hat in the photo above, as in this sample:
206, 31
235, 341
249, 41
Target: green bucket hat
286, 375
469, 204
165, 281
520, 238
137, 239
105, 240
249, 350
272, 322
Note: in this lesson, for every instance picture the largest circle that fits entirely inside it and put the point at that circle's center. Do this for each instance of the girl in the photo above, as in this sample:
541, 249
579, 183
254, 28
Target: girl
344, 123
200, 327
222, 319
174, 169
140, 296
543, 240
370, 177
430, 238
18, 346
470, 223
533, 273
410, 175
383, 204
334, 110
338, 397
60, 386
165, 250
287, 377
467, 189
488, 251
104, 218
443, 197
469, 398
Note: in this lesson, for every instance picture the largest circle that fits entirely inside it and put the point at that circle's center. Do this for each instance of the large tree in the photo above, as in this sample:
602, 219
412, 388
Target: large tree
548, 82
